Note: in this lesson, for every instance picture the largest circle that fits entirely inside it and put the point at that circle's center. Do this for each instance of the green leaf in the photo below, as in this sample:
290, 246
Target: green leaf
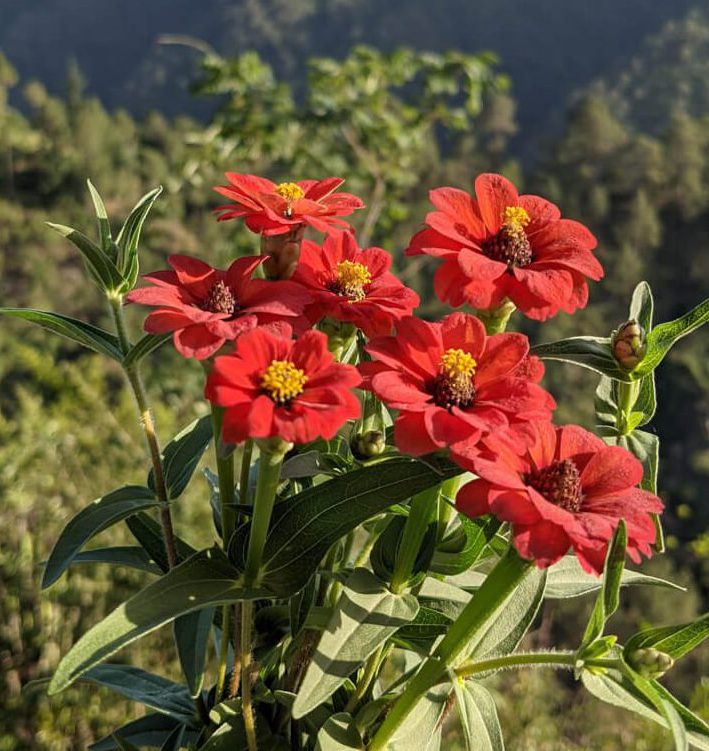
94, 518
152, 730
567, 579
202, 581
181, 456
428, 624
77, 331
174, 741
422, 729
338, 734
367, 614
129, 237
676, 641
149, 534
153, 691
478, 717
230, 736
304, 528
641, 305
613, 689
143, 347
504, 630
132, 556
645, 447
99, 265
104, 228
464, 545
592, 352
191, 639
125, 745
607, 600
664, 335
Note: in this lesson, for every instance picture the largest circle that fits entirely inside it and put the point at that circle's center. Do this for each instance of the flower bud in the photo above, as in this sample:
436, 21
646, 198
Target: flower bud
650, 663
628, 344
369, 444
283, 253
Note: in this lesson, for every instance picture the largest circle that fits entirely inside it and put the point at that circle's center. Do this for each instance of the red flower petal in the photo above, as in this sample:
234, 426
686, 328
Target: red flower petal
494, 193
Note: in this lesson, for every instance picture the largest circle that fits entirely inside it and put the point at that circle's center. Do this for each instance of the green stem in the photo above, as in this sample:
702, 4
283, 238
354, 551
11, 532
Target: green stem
549, 659
268, 478
370, 671
363, 555
246, 455
497, 587
246, 701
225, 470
449, 490
151, 438
627, 396
423, 510
496, 319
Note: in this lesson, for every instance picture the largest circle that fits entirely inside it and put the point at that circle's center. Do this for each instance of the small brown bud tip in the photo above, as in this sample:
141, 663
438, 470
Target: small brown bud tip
650, 663
369, 444
283, 253
628, 344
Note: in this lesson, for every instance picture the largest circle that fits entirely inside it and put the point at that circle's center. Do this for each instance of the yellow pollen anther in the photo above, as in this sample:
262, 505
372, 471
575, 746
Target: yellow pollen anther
457, 365
282, 381
290, 191
352, 278
515, 217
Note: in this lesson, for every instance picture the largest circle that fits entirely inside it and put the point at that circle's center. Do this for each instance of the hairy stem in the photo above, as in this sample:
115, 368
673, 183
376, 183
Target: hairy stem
148, 424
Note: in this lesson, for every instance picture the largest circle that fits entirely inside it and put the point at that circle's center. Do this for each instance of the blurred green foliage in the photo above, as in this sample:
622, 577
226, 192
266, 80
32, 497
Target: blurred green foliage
371, 119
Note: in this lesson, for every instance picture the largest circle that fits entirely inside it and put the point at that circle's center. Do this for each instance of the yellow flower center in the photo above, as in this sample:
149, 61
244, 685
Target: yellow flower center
515, 218
282, 381
454, 386
457, 365
290, 191
352, 278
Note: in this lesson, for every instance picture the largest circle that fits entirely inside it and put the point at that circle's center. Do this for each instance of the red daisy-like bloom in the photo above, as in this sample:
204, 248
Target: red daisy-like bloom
570, 490
273, 386
353, 285
453, 384
206, 307
503, 245
274, 209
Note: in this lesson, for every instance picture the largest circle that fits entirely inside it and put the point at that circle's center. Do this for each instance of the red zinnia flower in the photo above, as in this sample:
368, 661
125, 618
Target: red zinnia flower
273, 386
273, 209
206, 307
453, 384
349, 284
570, 490
504, 245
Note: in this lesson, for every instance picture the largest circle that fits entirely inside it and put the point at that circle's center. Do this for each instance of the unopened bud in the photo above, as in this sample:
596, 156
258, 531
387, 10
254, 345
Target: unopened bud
650, 663
369, 444
628, 344
283, 253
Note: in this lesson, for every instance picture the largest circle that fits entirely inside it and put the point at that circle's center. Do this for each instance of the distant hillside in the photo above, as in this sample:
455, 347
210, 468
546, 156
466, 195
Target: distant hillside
550, 47
668, 75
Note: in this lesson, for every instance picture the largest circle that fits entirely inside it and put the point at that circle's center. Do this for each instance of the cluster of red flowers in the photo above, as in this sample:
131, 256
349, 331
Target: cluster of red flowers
454, 387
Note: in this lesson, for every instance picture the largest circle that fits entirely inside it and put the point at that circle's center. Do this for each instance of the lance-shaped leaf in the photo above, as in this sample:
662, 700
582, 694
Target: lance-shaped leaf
664, 335
338, 734
422, 729
149, 689
98, 263
641, 305
149, 534
91, 337
592, 352
181, 456
464, 546
151, 731
175, 740
131, 556
143, 347
97, 516
367, 614
478, 717
304, 527
129, 237
104, 228
207, 579
191, 639
613, 689
608, 597
675, 641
